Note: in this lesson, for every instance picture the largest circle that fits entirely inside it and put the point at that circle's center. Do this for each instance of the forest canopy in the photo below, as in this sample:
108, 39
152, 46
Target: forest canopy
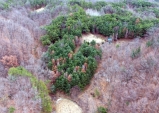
72, 67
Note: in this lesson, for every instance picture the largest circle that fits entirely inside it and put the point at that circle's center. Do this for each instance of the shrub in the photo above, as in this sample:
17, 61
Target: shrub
12, 78
75, 2
44, 95
149, 43
53, 88
11, 109
5, 5
156, 11
127, 103
37, 3
139, 3
135, 53
45, 40
102, 110
82, 3
117, 46
19, 71
97, 93
98, 5
119, 4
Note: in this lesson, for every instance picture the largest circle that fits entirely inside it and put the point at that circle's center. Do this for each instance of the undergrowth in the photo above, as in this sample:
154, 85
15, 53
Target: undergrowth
11, 109
38, 84
136, 53
102, 110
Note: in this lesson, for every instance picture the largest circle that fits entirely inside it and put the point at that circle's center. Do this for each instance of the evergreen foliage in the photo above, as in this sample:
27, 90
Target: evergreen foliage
102, 110
139, 3
86, 54
82, 3
74, 24
11, 109
38, 3
68, 65
78, 22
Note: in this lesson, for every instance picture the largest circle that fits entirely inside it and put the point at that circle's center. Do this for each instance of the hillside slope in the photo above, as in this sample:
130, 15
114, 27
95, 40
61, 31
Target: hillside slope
126, 80
123, 84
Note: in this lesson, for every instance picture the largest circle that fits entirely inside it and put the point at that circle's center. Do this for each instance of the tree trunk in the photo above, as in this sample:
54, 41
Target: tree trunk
126, 34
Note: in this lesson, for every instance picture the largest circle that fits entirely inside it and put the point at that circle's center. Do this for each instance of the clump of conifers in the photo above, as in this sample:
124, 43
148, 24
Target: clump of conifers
120, 23
72, 68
